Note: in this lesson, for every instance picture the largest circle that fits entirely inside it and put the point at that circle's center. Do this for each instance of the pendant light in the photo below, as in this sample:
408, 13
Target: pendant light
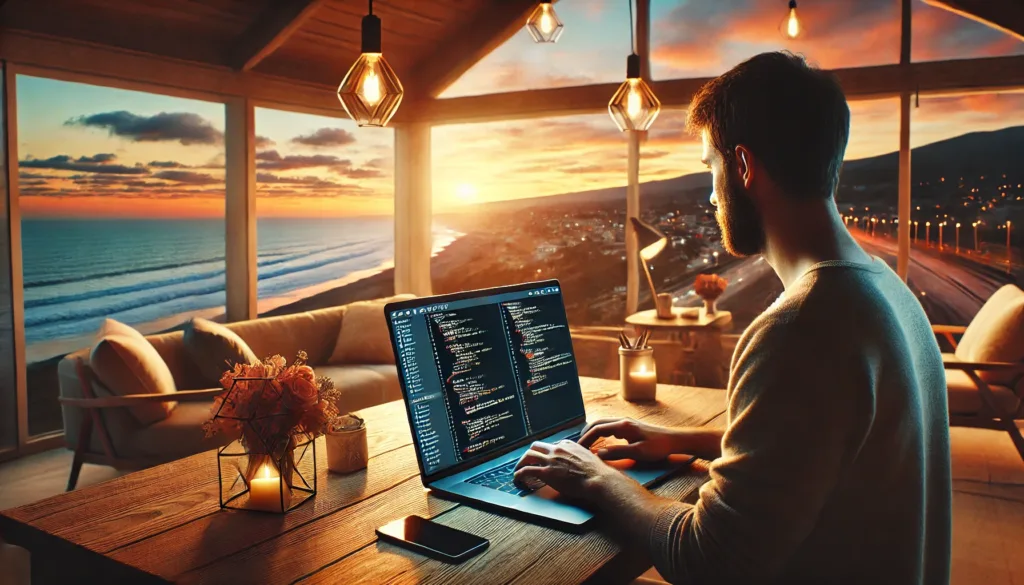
543, 23
371, 92
634, 105
791, 27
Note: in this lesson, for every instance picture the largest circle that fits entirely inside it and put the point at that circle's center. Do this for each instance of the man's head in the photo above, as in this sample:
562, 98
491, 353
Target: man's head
774, 132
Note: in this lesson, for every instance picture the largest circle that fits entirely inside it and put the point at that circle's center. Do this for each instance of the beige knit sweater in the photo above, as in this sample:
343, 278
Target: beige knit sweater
835, 464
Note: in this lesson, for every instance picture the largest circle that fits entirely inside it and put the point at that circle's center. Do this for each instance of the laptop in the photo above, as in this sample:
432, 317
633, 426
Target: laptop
484, 374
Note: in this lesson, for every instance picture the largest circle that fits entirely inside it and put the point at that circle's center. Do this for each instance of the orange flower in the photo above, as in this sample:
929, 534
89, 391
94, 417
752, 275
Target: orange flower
709, 286
303, 391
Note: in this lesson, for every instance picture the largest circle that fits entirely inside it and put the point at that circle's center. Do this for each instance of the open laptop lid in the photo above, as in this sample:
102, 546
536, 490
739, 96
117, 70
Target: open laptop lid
484, 372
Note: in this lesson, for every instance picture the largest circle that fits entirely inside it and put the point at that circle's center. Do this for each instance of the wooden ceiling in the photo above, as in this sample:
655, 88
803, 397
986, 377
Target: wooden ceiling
428, 42
1006, 15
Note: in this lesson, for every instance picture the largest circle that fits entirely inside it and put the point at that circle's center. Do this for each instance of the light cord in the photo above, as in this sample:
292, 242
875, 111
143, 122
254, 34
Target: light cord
632, 40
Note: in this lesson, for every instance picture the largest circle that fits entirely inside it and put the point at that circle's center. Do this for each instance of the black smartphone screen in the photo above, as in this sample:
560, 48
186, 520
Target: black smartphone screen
426, 536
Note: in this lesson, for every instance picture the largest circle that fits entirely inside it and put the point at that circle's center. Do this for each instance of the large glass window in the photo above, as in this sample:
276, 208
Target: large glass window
325, 204
941, 34
674, 196
966, 170
534, 199
8, 395
691, 38
122, 204
592, 49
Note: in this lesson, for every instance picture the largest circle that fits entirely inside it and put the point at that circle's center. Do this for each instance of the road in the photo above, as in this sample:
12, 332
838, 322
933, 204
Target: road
951, 288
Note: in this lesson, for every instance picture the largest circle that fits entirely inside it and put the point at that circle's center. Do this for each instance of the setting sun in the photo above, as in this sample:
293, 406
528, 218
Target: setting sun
466, 193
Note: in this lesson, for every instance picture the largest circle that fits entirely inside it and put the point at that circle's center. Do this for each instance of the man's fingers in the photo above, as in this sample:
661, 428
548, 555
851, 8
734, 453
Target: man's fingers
541, 447
532, 458
615, 452
525, 476
599, 421
623, 429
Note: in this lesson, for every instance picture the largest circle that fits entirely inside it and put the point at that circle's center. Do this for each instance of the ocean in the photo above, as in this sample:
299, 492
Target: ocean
154, 273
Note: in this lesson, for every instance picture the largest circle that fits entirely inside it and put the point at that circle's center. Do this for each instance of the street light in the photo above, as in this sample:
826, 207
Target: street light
915, 231
1009, 228
927, 233
975, 224
715, 254
941, 225
958, 237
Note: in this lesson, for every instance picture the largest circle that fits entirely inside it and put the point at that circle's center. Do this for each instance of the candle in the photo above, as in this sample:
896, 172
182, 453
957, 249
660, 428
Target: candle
641, 383
265, 491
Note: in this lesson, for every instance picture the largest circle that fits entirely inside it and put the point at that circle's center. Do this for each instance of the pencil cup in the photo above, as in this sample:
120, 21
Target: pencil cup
663, 304
637, 374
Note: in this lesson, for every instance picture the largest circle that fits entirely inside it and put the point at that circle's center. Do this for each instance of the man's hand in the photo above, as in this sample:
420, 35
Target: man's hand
569, 468
646, 442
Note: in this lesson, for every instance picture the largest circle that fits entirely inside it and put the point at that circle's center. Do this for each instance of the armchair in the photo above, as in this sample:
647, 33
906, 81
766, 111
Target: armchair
985, 374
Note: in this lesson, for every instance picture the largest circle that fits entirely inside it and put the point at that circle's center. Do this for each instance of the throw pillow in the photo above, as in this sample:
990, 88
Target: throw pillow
364, 337
996, 334
215, 349
126, 364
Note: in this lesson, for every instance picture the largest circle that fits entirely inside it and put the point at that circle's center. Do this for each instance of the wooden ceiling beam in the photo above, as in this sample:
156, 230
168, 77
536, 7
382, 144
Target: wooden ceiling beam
935, 78
463, 48
270, 30
1004, 15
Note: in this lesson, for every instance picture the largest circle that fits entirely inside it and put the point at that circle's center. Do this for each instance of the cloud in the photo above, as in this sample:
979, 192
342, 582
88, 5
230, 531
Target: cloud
24, 175
184, 127
264, 142
363, 173
86, 164
325, 137
166, 164
188, 177
272, 160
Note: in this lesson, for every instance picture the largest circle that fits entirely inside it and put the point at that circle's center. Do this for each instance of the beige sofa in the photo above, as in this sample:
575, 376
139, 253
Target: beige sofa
133, 445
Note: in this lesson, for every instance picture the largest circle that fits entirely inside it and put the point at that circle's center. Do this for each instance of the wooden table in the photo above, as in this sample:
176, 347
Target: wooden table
701, 337
164, 524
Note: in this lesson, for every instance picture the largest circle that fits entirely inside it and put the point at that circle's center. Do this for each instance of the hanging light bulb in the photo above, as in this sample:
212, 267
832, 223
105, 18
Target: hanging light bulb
371, 91
543, 23
634, 105
790, 26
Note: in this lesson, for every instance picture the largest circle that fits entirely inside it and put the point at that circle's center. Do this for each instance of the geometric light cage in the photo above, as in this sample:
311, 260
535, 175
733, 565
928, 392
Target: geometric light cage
634, 105
544, 25
371, 91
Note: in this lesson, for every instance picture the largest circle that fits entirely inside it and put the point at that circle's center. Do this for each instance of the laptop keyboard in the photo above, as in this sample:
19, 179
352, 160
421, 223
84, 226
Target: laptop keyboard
500, 478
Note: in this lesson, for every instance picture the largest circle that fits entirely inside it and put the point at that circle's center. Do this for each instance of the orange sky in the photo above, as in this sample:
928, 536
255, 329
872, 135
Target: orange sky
94, 151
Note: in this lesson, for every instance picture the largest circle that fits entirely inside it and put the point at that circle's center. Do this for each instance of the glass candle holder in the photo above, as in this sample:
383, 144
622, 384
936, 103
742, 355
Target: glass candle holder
638, 374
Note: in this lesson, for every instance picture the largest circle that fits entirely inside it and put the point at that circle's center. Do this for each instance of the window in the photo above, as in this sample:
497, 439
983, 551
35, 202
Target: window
966, 170
122, 205
8, 397
534, 199
674, 196
940, 34
325, 203
703, 39
592, 49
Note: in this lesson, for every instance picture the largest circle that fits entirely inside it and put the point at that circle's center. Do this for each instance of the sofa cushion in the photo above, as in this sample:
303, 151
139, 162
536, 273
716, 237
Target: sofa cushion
313, 332
996, 334
214, 349
364, 338
179, 435
127, 364
363, 386
965, 399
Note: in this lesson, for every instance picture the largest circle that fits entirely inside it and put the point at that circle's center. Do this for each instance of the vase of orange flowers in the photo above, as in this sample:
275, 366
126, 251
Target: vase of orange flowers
273, 412
709, 287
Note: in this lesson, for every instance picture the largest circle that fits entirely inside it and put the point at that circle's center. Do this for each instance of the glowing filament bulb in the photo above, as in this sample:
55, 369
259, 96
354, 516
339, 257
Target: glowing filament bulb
793, 25
371, 89
547, 24
633, 105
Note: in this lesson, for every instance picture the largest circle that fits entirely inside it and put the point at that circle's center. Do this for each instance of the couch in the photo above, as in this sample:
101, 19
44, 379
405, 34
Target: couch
101, 432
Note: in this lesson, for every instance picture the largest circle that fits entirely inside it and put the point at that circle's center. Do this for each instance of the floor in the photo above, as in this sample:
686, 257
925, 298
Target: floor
988, 501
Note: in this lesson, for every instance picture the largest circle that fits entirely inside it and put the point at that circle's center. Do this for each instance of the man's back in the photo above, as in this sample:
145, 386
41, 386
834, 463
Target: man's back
835, 465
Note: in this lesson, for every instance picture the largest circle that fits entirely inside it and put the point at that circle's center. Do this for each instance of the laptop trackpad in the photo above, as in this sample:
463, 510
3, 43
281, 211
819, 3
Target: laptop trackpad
644, 473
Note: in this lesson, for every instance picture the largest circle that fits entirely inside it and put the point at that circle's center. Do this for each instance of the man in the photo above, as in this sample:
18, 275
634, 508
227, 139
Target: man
834, 466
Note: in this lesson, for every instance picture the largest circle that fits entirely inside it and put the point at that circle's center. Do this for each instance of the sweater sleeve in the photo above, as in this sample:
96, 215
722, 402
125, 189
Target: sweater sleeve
800, 408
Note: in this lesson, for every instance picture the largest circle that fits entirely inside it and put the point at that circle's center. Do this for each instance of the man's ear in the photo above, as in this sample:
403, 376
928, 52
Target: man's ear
745, 165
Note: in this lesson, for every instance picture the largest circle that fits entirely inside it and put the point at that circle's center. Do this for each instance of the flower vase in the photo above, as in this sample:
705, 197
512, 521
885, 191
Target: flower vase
709, 307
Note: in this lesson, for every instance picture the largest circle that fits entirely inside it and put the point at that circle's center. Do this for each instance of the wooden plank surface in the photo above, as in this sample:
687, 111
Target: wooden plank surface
166, 522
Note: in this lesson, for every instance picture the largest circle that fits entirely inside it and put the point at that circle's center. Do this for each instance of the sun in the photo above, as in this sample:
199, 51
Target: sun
466, 193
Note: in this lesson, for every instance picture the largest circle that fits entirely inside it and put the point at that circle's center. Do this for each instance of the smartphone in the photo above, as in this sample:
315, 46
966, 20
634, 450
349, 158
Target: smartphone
432, 539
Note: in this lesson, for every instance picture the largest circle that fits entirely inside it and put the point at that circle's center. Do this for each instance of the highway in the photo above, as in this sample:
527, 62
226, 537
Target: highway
951, 287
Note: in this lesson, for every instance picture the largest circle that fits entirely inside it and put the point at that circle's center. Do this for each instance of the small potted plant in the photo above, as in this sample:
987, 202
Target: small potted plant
347, 449
709, 287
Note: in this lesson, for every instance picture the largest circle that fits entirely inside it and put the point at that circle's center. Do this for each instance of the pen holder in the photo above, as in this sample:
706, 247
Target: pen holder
638, 375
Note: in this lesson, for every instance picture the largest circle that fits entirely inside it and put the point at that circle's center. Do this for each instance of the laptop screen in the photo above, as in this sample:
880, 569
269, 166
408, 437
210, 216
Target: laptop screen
483, 372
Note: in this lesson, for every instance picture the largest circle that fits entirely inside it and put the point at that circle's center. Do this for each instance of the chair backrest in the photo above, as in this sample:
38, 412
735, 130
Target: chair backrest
997, 333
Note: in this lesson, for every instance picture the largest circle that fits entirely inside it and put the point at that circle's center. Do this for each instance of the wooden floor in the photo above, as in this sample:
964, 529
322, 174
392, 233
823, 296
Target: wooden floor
988, 501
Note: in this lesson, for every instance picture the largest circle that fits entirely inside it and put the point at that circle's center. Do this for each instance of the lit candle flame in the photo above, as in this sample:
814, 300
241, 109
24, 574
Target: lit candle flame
266, 471
793, 26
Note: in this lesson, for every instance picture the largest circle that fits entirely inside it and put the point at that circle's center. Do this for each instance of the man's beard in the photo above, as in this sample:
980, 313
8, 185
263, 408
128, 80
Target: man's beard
739, 220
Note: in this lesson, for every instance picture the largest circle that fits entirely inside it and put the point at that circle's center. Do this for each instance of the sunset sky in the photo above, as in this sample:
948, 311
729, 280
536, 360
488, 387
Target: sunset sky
95, 151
